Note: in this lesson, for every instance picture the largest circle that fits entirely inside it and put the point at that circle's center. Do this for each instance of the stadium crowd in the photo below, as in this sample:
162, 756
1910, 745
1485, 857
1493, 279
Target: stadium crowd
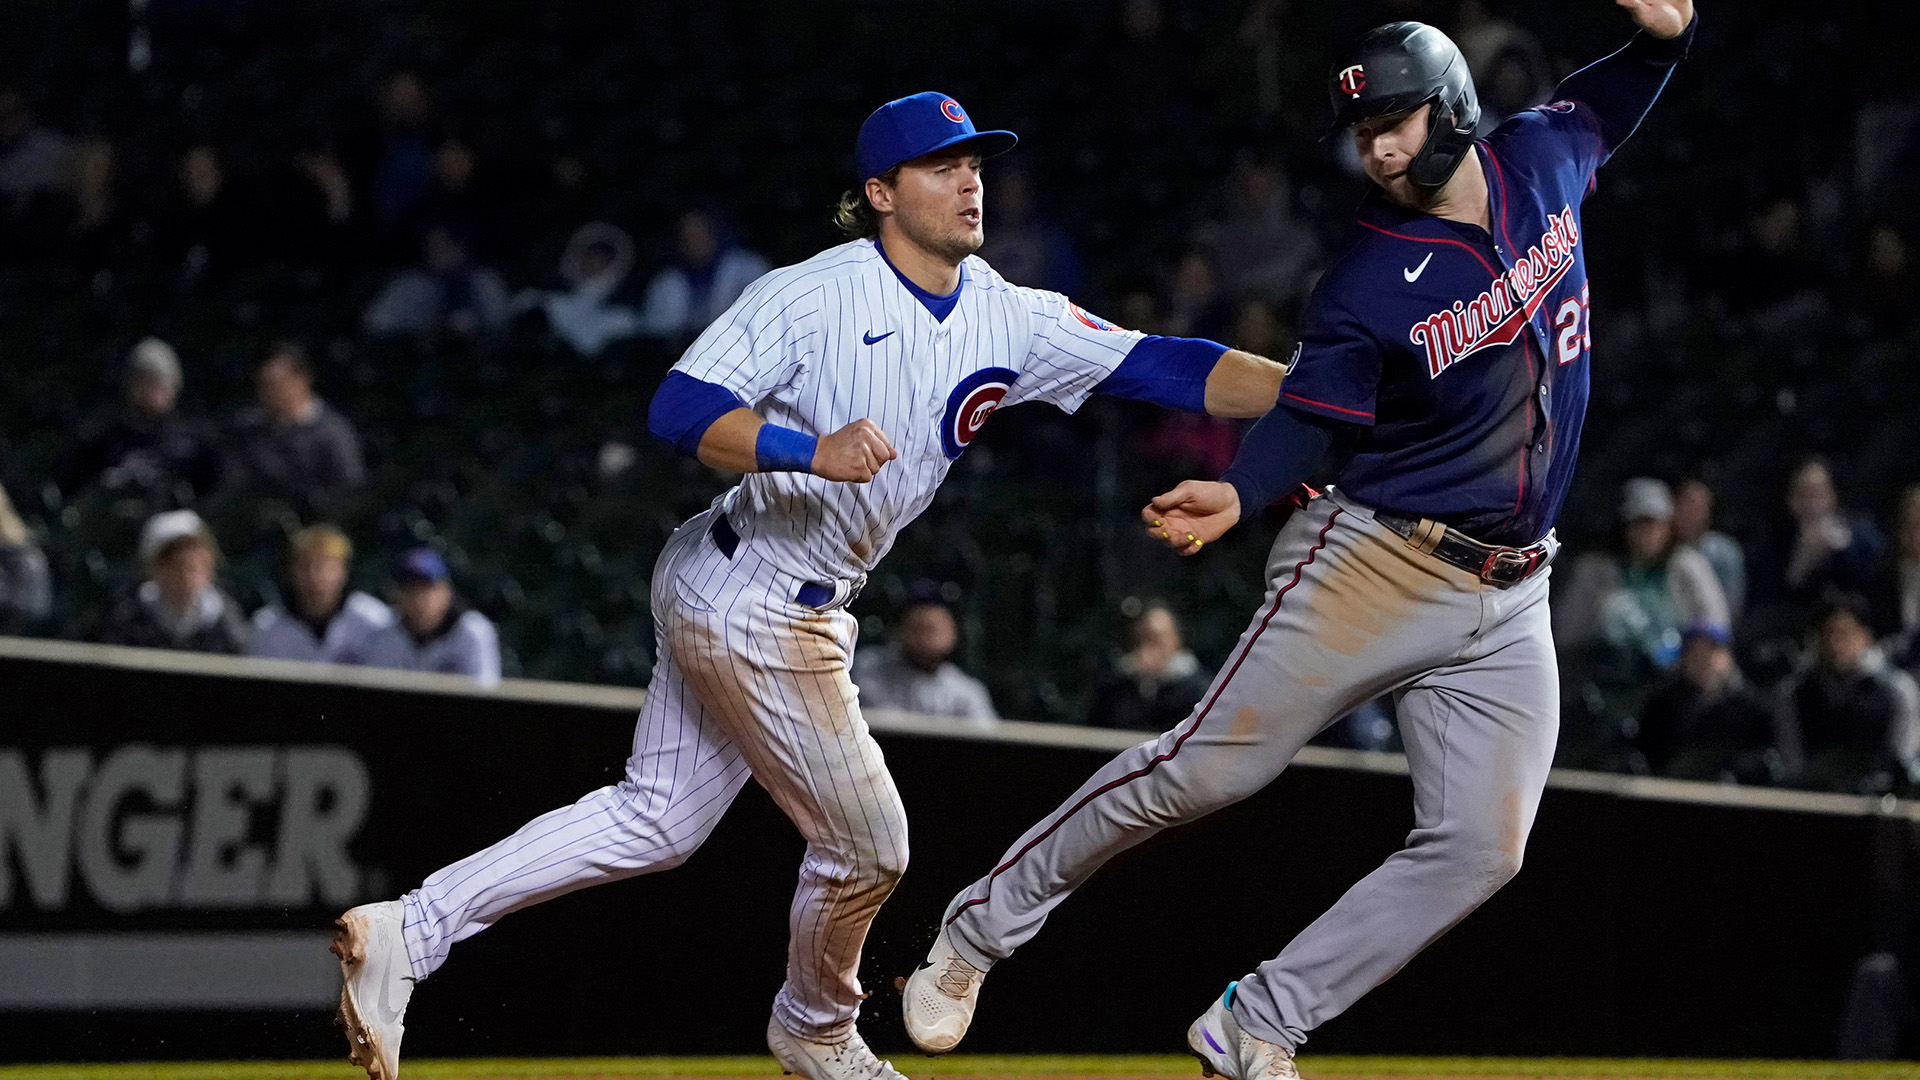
330, 337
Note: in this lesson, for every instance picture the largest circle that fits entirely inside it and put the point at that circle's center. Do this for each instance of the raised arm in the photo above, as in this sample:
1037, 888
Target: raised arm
1621, 88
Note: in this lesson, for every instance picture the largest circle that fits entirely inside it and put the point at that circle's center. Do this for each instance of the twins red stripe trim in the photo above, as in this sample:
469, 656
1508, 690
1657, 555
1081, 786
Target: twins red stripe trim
1468, 248
1324, 405
1298, 569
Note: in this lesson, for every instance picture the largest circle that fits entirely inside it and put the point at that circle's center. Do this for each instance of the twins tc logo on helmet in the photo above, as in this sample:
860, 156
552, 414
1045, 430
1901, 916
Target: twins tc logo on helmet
969, 406
1090, 320
1353, 80
952, 110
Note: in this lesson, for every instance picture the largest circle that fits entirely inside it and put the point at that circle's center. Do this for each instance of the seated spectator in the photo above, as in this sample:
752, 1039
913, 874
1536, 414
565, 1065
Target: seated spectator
1857, 716
293, 446
584, 313
450, 294
1155, 684
1704, 722
144, 449
209, 229
915, 674
177, 606
36, 177
1264, 250
1663, 587
1195, 305
1818, 549
709, 272
26, 587
1894, 590
324, 623
1024, 244
434, 630
1693, 526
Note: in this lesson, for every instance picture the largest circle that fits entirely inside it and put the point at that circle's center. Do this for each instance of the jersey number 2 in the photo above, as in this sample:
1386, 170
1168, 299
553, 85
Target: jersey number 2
1576, 335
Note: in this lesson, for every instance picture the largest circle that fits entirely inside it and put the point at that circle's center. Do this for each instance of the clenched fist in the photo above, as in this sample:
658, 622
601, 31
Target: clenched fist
1192, 515
853, 454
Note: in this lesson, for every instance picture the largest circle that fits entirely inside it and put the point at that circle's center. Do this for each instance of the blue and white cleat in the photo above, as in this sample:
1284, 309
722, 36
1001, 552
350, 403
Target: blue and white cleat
1224, 1049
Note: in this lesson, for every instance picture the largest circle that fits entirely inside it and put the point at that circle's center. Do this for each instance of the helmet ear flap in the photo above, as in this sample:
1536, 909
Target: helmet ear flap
1446, 147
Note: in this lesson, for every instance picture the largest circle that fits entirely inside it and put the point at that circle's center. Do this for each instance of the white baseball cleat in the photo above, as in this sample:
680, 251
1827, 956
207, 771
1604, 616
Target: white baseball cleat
378, 981
1224, 1049
847, 1059
939, 997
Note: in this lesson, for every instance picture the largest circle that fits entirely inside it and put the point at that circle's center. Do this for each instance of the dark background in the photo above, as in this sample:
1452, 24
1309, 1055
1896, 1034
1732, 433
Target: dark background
1637, 927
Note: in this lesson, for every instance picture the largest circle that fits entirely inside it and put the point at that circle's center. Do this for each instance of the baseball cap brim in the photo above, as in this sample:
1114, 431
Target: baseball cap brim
986, 143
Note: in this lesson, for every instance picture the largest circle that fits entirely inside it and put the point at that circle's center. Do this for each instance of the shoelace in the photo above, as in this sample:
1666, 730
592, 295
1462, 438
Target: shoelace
1279, 1063
957, 978
862, 1058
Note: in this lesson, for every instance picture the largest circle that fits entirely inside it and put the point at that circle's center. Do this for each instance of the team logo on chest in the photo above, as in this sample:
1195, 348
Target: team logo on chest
1499, 315
969, 406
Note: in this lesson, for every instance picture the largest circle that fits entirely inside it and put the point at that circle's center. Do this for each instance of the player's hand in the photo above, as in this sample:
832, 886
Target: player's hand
853, 454
1192, 515
1661, 18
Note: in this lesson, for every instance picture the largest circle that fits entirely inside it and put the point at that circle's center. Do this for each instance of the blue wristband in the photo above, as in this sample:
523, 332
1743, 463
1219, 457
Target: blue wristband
779, 449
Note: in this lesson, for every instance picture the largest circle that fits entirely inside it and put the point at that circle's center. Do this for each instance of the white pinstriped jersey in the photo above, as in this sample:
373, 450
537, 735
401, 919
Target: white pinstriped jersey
838, 338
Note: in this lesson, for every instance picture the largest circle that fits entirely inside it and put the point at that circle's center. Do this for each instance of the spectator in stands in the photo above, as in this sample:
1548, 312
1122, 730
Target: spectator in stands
585, 312
403, 175
36, 172
450, 294
324, 622
1662, 587
292, 445
178, 605
26, 586
1023, 243
1704, 722
1895, 589
1509, 66
434, 630
1818, 549
144, 449
709, 272
1263, 249
1195, 305
915, 672
1857, 717
208, 231
1155, 684
1693, 526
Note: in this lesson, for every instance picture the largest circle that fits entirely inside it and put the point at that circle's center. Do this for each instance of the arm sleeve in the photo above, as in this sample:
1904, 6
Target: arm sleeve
1620, 88
685, 407
1336, 371
761, 342
1069, 351
1278, 455
1167, 371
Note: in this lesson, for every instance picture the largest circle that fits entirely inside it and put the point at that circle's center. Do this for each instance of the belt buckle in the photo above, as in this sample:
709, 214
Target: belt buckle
1508, 567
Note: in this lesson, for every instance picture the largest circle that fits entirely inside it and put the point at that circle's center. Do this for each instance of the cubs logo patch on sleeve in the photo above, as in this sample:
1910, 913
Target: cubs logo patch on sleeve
968, 407
1089, 319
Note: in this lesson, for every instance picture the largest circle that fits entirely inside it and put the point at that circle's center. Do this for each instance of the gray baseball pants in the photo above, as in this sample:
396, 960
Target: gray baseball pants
1351, 612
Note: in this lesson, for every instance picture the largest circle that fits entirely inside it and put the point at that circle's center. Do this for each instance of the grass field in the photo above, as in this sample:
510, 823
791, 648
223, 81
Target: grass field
982, 1067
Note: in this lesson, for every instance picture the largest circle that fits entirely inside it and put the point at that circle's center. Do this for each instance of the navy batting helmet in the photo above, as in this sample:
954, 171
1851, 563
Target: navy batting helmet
1397, 68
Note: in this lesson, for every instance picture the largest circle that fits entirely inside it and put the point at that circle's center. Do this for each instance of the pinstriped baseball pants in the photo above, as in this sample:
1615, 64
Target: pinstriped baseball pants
1351, 612
748, 683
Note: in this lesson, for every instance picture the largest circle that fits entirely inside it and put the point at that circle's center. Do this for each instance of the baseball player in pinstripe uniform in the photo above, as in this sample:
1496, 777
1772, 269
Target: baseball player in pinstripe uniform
1442, 373
844, 387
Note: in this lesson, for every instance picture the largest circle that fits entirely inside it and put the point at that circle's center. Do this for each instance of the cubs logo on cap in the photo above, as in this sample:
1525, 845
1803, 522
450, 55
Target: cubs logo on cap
968, 407
917, 125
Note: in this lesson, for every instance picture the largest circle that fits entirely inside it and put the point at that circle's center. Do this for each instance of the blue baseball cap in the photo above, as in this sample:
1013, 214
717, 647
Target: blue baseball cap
908, 127
420, 564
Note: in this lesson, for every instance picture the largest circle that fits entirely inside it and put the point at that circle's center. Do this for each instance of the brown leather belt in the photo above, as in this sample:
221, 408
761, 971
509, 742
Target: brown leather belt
1501, 567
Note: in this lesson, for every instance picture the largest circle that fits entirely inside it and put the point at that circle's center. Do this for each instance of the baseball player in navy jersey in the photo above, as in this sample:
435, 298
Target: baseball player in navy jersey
1443, 364
844, 387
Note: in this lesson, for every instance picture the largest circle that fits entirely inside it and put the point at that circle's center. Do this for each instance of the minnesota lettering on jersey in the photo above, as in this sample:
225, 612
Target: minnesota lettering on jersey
1499, 314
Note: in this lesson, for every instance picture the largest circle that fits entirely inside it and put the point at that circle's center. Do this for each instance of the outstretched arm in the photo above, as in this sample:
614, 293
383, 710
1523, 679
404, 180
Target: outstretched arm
1196, 375
1621, 88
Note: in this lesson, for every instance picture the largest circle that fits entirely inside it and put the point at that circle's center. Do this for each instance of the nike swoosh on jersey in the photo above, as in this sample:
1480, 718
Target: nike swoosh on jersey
1413, 275
870, 338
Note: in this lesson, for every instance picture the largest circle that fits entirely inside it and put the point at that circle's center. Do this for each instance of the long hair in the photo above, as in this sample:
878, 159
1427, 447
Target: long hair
855, 215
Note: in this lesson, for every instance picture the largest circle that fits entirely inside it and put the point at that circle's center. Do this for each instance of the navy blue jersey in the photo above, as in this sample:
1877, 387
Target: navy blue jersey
1463, 354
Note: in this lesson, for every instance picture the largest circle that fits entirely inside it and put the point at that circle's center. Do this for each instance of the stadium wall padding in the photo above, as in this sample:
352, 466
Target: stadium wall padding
210, 828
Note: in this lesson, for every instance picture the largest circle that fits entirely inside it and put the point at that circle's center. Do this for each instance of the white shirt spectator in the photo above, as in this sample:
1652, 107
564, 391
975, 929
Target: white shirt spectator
466, 644
278, 634
888, 680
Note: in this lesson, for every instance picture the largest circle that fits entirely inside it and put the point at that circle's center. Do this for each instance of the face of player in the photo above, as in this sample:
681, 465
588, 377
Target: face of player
1387, 145
936, 204
318, 581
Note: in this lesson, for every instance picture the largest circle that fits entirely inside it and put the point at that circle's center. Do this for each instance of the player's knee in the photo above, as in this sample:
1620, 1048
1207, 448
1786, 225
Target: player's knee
883, 864
1491, 866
